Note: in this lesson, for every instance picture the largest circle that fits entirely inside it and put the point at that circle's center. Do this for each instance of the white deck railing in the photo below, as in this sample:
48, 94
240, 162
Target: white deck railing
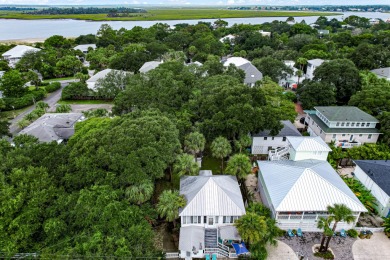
172, 255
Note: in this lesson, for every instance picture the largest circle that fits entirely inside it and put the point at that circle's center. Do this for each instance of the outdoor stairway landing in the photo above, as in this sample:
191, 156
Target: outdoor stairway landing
210, 238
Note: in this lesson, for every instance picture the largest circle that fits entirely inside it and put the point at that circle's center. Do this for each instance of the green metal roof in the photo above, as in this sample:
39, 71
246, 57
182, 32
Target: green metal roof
329, 130
346, 114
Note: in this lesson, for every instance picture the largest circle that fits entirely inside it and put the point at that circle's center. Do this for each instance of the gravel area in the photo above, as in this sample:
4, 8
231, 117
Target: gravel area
341, 247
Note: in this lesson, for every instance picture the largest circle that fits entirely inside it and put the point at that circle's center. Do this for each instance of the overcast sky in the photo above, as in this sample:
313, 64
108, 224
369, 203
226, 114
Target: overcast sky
195, 2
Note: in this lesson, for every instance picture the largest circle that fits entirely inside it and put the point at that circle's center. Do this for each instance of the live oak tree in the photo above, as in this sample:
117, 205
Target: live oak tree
312, 93
12, 84
341, 74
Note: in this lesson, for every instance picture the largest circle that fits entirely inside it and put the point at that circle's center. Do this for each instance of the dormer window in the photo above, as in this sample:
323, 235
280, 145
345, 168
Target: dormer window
347, 124
352, 124
363, 124
368, 124
342, 124
338, 124
357, 124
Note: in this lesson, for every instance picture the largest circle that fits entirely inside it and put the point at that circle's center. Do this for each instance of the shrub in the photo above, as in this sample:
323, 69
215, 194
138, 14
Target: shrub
324, 255
42, 105
53, 86
23, 123
63, 108
294, 231
352, 233
75, 90
24, 101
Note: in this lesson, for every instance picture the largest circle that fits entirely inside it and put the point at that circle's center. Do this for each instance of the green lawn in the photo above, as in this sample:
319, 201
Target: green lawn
13, 113
210, 163
169, 14
58, 79
84, 102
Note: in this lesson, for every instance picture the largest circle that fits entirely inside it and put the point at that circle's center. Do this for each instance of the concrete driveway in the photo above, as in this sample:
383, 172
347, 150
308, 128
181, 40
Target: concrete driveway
376, 248
281, 252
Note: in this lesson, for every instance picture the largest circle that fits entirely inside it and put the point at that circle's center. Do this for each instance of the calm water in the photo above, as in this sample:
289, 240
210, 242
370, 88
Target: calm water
27, 29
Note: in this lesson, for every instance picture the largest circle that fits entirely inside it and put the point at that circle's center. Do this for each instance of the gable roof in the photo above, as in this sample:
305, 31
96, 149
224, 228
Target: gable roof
100, 75
53, 126
316, 62
148, 66
252, 74
382, 72
346, 114
378, 171
308, 143
211, 195
237, 61
18, 51
288, 130
307, 185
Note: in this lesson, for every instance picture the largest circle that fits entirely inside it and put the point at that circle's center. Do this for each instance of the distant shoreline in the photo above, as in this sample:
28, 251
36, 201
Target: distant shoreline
20, 41
170, 14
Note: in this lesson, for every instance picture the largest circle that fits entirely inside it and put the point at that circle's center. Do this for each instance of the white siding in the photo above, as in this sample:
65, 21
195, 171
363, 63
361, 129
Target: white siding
381, 196
260, 146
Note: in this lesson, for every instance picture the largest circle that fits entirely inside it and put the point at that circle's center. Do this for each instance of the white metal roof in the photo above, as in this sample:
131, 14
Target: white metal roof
307, 185
238, 61
190, 237
316, 62
216, 195
18, 51
308, 143
84, 47
100, 75
230, 37
150, 65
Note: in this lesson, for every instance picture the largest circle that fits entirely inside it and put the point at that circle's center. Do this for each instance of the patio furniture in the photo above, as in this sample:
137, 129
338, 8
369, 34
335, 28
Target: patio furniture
290, 233
299, 232
342, 233
207, 257
214, 257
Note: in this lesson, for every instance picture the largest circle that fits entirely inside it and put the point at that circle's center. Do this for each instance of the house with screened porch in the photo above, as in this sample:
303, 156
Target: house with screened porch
214, 202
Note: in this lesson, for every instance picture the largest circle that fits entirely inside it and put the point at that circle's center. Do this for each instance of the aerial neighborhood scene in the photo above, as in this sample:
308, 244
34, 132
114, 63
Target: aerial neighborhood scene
195, 130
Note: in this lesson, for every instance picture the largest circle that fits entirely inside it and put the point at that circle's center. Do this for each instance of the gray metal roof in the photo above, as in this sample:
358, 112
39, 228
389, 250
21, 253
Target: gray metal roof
378, 171
328, 130
346, 114
288, 130
307, 185
190, 237
308, 143
100, 75
252, 74
229, 233
382, 72
148, 66
53, 126
215, 195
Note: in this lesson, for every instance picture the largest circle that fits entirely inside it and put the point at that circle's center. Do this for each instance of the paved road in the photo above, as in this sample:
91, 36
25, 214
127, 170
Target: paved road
51, 100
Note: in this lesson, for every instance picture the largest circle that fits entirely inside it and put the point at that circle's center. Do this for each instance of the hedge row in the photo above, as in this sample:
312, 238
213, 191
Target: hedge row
26, 100
53, 86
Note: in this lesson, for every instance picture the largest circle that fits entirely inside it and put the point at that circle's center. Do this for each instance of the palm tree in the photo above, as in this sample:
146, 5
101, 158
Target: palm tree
302, 62
194, 143
338, 213
299, 74
239, 165
169, 203
252, 228
139, 194
243, 142
220, 148
185, 165
323, 223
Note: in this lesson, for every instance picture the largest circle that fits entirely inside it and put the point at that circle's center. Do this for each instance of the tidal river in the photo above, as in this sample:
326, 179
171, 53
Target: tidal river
40, 29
